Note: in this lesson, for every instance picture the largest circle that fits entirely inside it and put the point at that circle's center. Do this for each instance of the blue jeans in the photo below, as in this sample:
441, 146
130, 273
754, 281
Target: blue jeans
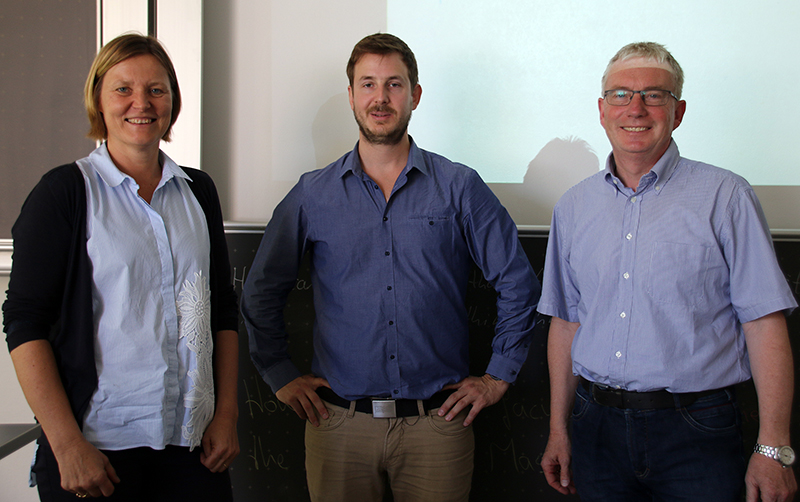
678, 454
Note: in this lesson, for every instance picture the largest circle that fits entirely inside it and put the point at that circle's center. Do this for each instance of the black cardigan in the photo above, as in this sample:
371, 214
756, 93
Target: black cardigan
50, 290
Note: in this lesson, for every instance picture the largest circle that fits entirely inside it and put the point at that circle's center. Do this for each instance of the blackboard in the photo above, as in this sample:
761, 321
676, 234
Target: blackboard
510, 436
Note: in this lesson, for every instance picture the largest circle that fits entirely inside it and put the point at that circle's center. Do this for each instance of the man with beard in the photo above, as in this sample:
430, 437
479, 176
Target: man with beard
392, 231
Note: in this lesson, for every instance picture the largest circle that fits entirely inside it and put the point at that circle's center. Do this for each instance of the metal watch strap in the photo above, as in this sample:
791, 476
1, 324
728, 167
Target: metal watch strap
769, 451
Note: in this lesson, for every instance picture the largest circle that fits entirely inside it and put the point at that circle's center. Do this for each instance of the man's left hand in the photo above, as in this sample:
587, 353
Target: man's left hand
767, 481
479, 392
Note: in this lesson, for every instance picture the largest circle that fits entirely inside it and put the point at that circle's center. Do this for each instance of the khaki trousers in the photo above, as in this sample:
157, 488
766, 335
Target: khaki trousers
351, 457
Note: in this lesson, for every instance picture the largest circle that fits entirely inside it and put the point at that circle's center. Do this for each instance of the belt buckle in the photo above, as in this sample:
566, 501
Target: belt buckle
384, 408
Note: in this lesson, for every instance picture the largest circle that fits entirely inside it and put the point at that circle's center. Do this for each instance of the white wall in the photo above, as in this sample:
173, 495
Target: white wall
275, 93
275, 104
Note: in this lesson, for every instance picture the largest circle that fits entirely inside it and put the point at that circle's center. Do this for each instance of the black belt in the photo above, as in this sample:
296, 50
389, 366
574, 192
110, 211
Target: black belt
403, 407
630, 400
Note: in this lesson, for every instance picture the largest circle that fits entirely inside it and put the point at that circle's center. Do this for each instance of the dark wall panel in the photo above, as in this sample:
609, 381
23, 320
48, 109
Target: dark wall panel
46, 49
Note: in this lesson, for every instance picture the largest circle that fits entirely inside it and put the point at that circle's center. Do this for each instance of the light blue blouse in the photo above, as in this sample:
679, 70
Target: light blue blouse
151, 301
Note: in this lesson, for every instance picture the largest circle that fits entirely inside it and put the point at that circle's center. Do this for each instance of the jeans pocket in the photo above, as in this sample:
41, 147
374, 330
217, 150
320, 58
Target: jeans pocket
336, 417
441, 426
714, 414
581, 403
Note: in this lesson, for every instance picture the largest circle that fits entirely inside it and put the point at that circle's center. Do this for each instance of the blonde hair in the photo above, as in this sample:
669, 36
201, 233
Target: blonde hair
114, 52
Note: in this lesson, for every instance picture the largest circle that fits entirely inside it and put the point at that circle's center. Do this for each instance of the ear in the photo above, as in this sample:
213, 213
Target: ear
350, 96
600, 102
679, 111
415, 95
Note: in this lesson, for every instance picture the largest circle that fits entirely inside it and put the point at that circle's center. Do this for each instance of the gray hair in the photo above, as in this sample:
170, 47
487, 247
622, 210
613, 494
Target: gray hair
648, 50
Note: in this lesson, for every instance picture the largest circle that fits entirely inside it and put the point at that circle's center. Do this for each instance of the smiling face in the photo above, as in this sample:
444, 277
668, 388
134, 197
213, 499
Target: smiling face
382, 98
136, 103
640, 134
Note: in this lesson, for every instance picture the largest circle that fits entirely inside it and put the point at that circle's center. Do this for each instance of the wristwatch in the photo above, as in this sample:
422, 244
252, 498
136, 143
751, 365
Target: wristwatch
783, 454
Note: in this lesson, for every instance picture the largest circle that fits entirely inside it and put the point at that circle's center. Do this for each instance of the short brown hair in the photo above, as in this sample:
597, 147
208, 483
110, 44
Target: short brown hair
114, 52
382, 44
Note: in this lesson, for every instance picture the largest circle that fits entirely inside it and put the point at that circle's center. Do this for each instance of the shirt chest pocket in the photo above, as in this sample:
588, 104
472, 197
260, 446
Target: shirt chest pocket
435, 230
678, 273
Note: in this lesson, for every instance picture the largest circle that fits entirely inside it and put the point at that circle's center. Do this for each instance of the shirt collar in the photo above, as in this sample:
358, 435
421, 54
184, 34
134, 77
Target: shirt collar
112, 176
415, 160
662, 171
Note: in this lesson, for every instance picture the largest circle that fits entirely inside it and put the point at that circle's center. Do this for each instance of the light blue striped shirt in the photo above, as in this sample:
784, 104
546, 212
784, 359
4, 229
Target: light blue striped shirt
662, 278
151, 301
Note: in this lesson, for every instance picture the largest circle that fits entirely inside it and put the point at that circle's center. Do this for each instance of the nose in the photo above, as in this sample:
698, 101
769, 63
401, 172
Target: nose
141, 99
382, 96
637, 107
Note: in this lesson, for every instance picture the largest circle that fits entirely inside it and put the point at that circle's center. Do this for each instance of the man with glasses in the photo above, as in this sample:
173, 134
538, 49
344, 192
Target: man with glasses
665, 293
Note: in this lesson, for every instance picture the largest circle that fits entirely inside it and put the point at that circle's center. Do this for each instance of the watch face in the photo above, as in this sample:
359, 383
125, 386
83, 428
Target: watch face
786, 455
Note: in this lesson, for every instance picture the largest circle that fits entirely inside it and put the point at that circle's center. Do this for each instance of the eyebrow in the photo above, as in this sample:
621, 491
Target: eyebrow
371, 77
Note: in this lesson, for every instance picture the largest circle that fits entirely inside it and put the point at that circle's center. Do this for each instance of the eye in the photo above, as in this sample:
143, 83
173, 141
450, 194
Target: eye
655, 95
157, 92
122, 89
618, 97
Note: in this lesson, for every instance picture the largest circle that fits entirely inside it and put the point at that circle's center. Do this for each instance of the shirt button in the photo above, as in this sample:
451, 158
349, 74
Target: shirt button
618, 354
622, 315
391, 323
376, 187
388, 253
633, 199
626, 275
658, 187
396, 391
385, 218
629, 236
391, 357
388, 288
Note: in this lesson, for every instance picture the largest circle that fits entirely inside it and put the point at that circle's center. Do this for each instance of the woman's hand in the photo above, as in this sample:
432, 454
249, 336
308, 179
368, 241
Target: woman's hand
220, 444
85, 470
220, 440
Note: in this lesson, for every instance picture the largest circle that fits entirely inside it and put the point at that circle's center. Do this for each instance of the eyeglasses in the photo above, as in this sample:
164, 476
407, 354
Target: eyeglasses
650, 97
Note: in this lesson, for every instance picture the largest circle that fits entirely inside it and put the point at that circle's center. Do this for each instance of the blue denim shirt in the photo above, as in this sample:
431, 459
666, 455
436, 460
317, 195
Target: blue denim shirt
390, 278
662, 278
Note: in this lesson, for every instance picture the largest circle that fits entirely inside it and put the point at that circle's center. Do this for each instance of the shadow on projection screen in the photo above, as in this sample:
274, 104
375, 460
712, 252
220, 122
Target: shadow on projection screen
512, 86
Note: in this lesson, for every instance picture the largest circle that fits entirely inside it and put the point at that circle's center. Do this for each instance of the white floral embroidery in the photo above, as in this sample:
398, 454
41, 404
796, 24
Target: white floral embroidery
194, 307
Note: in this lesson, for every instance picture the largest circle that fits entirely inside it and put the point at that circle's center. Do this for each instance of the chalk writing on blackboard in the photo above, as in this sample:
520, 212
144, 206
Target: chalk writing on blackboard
521, 462
260, 460
255, 401
238, 278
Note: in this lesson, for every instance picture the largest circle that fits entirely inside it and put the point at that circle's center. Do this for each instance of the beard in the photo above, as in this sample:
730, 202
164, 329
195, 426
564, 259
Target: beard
390, 137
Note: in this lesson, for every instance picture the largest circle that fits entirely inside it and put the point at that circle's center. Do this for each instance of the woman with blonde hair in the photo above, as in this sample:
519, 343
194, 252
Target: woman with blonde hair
120, 316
